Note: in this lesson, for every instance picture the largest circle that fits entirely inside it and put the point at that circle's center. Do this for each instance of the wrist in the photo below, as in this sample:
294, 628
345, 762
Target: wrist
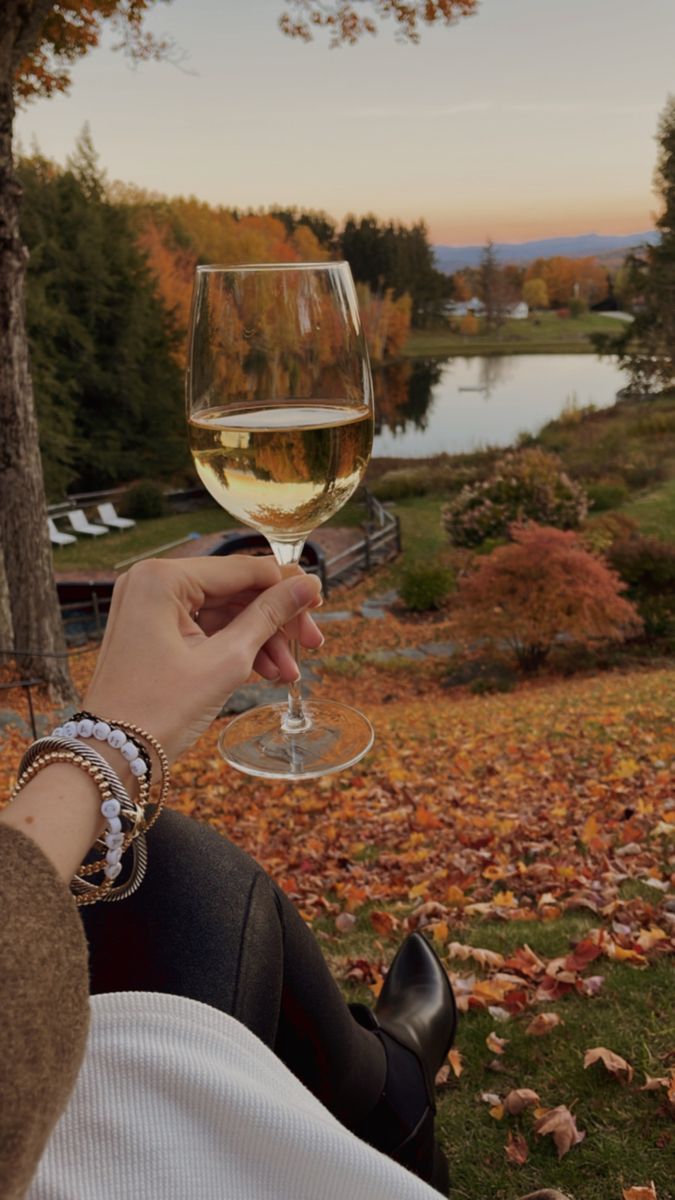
60, 809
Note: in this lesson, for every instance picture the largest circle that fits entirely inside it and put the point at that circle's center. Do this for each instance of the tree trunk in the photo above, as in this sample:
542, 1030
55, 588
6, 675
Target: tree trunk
6, 631
34, 606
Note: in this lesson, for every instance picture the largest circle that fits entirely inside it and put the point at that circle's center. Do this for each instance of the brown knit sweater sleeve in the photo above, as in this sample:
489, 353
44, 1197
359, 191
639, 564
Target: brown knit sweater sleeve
44, 1009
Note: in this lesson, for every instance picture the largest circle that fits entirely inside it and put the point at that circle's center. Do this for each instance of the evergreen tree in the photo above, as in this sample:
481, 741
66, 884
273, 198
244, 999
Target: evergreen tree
394, 256
107, 388
646, 347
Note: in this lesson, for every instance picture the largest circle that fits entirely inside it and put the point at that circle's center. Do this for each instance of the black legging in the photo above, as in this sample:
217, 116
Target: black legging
209, 924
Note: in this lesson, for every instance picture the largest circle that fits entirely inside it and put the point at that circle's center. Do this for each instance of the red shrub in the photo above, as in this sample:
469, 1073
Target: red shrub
541, 588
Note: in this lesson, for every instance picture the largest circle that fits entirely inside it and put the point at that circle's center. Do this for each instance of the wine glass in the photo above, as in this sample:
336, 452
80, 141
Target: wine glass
280, 417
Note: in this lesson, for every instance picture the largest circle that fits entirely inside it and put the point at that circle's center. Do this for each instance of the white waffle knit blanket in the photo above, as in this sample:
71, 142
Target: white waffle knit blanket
176, 1101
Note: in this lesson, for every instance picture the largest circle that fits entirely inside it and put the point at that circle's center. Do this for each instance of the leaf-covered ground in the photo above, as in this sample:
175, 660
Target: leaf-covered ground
531, 836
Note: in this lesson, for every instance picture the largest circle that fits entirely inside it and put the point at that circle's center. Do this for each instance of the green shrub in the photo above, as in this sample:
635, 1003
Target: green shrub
607, 493
526, 485
600, 532
644, 470
403, 482
647, 566
425, 588
145, 499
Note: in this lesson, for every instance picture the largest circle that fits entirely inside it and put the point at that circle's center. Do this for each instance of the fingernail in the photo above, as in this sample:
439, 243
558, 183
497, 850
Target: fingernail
304, 591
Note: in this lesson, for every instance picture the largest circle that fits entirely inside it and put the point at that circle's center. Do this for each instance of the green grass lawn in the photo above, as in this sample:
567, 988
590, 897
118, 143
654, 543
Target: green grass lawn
101, 553
629, 1138
655, 511
549, 335
147, 536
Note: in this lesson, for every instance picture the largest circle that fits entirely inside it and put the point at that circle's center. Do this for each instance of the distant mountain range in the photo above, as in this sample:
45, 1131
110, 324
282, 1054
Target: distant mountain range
453, 258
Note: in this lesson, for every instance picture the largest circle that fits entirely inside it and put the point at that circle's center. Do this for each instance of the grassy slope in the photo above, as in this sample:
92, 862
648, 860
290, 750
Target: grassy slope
551, 335
655, 511
633, 1016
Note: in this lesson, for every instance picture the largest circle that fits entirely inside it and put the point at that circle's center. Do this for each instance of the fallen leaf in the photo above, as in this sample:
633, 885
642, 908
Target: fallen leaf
518, 1100
383, 923
516, 1149
590, 830
584, 953
640, 1193
485, 958
442, 1075
455, 1060
498, 1013
497, 1111
543, 1023
616, 1065
439, 931
591, 985
495, 1043
652, 1083
560, 1124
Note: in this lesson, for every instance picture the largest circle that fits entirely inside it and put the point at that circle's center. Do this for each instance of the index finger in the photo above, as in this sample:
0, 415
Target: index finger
202, 582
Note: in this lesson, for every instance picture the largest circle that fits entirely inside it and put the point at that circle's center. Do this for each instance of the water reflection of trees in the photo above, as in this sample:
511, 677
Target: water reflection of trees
403, 394
493, 371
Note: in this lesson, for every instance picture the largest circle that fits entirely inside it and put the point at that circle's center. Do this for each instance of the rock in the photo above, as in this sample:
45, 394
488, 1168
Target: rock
251, 695
440, 649
342, 615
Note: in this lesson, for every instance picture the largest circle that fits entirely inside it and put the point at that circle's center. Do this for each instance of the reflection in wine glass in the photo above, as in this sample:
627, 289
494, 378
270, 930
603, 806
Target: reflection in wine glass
280, 414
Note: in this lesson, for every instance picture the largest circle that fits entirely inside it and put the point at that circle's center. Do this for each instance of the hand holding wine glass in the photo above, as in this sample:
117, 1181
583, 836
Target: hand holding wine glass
280, 413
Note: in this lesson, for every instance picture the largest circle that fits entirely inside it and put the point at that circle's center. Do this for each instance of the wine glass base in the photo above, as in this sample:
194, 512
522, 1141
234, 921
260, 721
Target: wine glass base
337, 737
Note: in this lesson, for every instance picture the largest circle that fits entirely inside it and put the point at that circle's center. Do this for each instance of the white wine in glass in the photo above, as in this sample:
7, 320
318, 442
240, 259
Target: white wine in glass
280, 416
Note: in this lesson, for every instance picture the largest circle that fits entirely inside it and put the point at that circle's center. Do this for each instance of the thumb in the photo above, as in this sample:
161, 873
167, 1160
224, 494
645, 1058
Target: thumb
269, 612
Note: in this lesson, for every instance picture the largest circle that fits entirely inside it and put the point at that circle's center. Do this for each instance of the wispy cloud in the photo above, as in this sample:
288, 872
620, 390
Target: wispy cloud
389, 112
612, 110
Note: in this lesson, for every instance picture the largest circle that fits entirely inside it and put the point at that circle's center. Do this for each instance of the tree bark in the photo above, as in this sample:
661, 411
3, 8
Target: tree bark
6, 630
35, 614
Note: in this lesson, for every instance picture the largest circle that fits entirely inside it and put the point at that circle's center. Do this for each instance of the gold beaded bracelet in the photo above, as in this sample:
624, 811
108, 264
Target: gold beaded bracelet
124, 818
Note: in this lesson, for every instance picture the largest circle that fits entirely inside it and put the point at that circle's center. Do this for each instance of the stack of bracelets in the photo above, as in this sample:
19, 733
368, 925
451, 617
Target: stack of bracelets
126, 820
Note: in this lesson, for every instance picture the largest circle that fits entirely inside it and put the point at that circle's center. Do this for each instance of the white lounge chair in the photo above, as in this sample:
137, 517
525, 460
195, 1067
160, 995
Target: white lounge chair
81, 525
56, 537
107, 514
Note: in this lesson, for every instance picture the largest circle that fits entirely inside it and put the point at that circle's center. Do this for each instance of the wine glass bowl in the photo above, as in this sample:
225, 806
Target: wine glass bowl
280, 417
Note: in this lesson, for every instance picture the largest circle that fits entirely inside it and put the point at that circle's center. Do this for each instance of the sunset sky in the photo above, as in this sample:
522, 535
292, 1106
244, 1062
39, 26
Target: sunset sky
533, 118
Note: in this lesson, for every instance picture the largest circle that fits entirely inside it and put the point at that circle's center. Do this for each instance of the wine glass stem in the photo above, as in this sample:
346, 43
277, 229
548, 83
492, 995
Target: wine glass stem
295, 720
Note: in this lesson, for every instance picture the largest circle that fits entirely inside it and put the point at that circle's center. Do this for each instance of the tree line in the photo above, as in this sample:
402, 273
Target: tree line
558, 283
108, 299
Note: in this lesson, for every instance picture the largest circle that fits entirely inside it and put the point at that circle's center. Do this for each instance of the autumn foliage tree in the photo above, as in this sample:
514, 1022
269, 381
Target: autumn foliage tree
567, 279
543, 587
348, 22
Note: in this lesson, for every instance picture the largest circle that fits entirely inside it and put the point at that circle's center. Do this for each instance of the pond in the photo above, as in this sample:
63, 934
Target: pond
425, 407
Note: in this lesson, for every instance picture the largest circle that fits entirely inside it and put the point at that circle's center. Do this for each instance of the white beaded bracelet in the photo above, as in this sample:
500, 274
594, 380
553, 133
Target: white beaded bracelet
103, 732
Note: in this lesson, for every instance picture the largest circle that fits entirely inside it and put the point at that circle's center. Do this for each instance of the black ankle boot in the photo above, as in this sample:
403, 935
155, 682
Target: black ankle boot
415, 1018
